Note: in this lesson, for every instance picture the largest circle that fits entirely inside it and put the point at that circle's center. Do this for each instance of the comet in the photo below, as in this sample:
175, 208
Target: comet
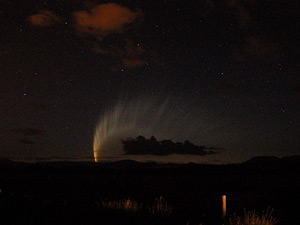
123, 120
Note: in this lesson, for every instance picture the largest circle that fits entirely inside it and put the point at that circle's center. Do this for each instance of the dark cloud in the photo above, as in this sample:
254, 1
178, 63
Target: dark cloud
32, 105
104, 19
26, 142
210, 3
133, 63
44, 18
241, 10
128, 54
261, 47
239, 56
28, 131
296, 90
234, 3
143, 146
28, 104
224, 87
244, 16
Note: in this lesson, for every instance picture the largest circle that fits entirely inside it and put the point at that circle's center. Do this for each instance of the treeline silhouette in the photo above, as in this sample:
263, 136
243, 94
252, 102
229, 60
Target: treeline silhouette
141, 146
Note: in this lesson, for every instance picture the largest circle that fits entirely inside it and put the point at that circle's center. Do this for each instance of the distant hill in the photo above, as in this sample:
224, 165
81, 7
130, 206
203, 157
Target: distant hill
5, 160
262, 160
131, 164
292, 159
258, 161
270, 161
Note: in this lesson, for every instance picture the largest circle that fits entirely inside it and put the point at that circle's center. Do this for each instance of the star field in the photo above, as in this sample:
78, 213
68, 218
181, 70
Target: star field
233, 64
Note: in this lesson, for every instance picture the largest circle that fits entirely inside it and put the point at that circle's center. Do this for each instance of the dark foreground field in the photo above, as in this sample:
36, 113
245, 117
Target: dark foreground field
88, 193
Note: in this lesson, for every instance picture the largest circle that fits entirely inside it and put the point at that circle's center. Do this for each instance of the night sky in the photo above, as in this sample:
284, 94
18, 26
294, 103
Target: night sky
228, 69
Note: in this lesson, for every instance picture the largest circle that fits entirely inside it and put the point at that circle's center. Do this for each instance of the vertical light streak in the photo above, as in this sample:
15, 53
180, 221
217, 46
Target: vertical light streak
224, 205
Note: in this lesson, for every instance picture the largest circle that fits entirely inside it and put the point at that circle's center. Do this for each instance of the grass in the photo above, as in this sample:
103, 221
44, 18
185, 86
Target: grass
126, 205
254, 218
160, 206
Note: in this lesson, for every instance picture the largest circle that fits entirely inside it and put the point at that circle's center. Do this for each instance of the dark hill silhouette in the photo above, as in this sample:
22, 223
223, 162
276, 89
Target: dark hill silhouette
263, 160
55, 192
5, 161
131, 164
257, 162
292, 159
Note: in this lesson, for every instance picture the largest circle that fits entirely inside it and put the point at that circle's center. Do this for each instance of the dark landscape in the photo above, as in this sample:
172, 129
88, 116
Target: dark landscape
79, 192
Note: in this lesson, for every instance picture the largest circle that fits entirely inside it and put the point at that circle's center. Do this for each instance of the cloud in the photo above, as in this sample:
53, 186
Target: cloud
25, 102
234, 3
143, 146
244, 16
26, 142
133, 50
210, 3
133, 63
240, 8
44, 18
295, 90
261, 47
224, 87
133, 56
104, 19
256, 47
28, 131
32, 105
128, 53
239, 55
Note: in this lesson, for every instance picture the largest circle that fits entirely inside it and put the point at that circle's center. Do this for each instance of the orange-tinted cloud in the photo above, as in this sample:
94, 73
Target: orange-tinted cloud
104, 19
44, 18
133, 63
133, 50
133, 55
240, 8
111, 18
244, 16
261, 47
129, 55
